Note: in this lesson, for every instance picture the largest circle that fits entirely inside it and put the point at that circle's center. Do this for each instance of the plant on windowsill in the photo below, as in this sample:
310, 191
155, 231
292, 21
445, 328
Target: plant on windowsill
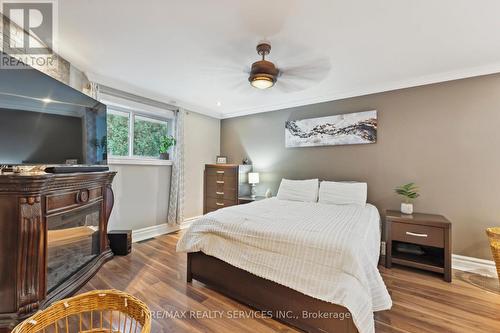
102, 145
166, 142
409, 192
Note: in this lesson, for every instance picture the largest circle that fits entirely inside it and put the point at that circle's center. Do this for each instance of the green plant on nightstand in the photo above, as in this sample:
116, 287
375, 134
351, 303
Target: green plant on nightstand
409, 192
166, 142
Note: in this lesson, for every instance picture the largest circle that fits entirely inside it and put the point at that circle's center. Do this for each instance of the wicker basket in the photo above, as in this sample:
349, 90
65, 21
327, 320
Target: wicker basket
98, 311
494, 236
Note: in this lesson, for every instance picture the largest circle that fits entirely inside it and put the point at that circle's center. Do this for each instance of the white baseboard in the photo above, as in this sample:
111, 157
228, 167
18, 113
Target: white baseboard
474, 265
187, 222
151, 232
158, 230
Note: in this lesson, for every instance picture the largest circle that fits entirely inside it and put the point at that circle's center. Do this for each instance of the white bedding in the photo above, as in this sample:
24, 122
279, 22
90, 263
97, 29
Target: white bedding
329, 252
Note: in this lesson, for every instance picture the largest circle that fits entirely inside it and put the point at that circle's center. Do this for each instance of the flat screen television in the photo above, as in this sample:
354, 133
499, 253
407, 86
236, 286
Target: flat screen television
44, 121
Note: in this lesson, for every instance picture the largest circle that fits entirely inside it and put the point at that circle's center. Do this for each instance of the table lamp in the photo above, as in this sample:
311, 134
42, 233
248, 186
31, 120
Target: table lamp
253, 179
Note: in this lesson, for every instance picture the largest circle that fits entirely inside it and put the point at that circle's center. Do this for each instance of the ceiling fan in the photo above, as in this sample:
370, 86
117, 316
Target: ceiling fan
294, 68
264, 73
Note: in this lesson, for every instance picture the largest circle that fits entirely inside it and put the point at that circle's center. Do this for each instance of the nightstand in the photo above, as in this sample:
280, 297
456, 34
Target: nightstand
420, 241
244, 200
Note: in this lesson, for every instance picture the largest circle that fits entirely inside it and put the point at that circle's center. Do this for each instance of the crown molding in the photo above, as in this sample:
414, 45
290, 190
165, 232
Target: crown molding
117, 84
403, 84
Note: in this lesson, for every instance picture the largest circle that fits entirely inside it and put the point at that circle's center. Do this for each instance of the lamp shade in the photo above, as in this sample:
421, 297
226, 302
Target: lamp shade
253, 177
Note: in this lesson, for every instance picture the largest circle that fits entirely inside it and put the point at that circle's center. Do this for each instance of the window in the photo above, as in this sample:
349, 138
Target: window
135, 135
147, 136
118, 133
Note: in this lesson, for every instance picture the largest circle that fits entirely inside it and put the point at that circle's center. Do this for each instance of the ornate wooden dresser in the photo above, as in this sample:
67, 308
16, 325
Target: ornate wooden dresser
53, 238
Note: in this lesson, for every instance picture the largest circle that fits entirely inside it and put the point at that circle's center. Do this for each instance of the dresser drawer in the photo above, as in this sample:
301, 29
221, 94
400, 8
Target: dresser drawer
225, 187
221, 191
417, 234
214, 204
221, 172
227, 180
68, 200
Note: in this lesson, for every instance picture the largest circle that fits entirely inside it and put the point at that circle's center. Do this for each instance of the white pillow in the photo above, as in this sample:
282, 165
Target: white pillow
342, 193
298, 190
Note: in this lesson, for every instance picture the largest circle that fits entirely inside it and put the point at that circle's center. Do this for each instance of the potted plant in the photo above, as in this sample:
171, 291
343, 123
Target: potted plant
409, 192
166, 142
103, 145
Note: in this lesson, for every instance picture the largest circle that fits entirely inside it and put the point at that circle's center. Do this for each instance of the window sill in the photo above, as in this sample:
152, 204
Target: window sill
137, 161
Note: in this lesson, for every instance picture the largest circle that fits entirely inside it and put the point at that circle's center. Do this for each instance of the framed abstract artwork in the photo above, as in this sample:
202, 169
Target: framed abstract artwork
343, 129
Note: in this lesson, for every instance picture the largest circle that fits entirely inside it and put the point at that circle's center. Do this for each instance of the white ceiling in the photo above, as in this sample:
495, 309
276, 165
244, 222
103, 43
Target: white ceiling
196, 52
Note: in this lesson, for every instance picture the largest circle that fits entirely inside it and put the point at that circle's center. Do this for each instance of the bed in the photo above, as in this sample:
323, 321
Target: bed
311, 265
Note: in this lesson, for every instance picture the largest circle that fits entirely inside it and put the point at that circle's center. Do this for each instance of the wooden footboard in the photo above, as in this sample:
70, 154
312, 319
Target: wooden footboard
284, 304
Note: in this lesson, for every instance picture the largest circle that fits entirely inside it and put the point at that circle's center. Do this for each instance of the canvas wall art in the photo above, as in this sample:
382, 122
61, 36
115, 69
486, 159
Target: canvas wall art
344, 129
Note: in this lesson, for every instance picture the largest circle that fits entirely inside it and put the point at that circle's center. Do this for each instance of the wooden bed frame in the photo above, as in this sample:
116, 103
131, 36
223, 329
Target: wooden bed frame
282, 303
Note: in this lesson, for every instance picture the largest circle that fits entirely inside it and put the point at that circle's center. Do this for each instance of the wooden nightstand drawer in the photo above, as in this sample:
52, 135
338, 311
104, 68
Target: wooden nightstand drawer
418, 234
420, 241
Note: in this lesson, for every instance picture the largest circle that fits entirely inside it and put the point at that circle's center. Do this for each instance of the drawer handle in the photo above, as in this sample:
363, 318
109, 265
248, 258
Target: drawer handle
219, 193
219, 204
416, 235
220, 172
220, 182
83, 196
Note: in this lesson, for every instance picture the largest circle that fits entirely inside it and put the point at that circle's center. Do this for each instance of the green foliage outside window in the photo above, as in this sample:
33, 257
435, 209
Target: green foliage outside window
147, 136
117, 135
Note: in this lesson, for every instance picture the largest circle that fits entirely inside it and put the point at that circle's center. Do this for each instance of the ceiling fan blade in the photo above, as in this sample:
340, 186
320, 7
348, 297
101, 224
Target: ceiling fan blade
241, 86
220, 75
289, 86
314, 70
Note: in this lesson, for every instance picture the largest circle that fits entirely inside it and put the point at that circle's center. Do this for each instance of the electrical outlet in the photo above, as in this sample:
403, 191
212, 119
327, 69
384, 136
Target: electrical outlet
382, 248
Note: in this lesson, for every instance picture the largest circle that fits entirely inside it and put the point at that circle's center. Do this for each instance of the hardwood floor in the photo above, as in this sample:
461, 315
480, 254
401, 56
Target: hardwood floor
423, 303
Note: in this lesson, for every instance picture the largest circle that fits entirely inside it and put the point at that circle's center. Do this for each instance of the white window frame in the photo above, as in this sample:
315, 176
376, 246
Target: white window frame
133, 159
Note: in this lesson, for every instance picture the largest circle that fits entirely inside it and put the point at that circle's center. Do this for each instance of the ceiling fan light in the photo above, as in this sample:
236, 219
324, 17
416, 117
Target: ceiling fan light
261, 82
263, 74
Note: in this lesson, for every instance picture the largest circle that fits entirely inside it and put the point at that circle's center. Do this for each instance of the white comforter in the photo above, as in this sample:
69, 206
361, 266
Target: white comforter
329, 252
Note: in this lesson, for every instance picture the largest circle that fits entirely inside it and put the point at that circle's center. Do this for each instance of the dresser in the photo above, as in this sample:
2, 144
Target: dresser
53, 238
221, 186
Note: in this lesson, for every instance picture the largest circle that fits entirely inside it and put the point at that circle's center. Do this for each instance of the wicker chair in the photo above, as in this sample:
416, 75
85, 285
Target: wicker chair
99, 311
494, 237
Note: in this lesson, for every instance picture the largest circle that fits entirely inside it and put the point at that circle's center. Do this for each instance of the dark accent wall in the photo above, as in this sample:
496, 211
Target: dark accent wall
445, 137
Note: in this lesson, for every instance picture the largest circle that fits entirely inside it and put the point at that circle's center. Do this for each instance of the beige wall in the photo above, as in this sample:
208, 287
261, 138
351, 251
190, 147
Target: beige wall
202, 145
142, 191
445, 137
141, 196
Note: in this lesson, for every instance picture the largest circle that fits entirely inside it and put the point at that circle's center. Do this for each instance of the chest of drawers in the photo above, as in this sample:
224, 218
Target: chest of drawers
220, 186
